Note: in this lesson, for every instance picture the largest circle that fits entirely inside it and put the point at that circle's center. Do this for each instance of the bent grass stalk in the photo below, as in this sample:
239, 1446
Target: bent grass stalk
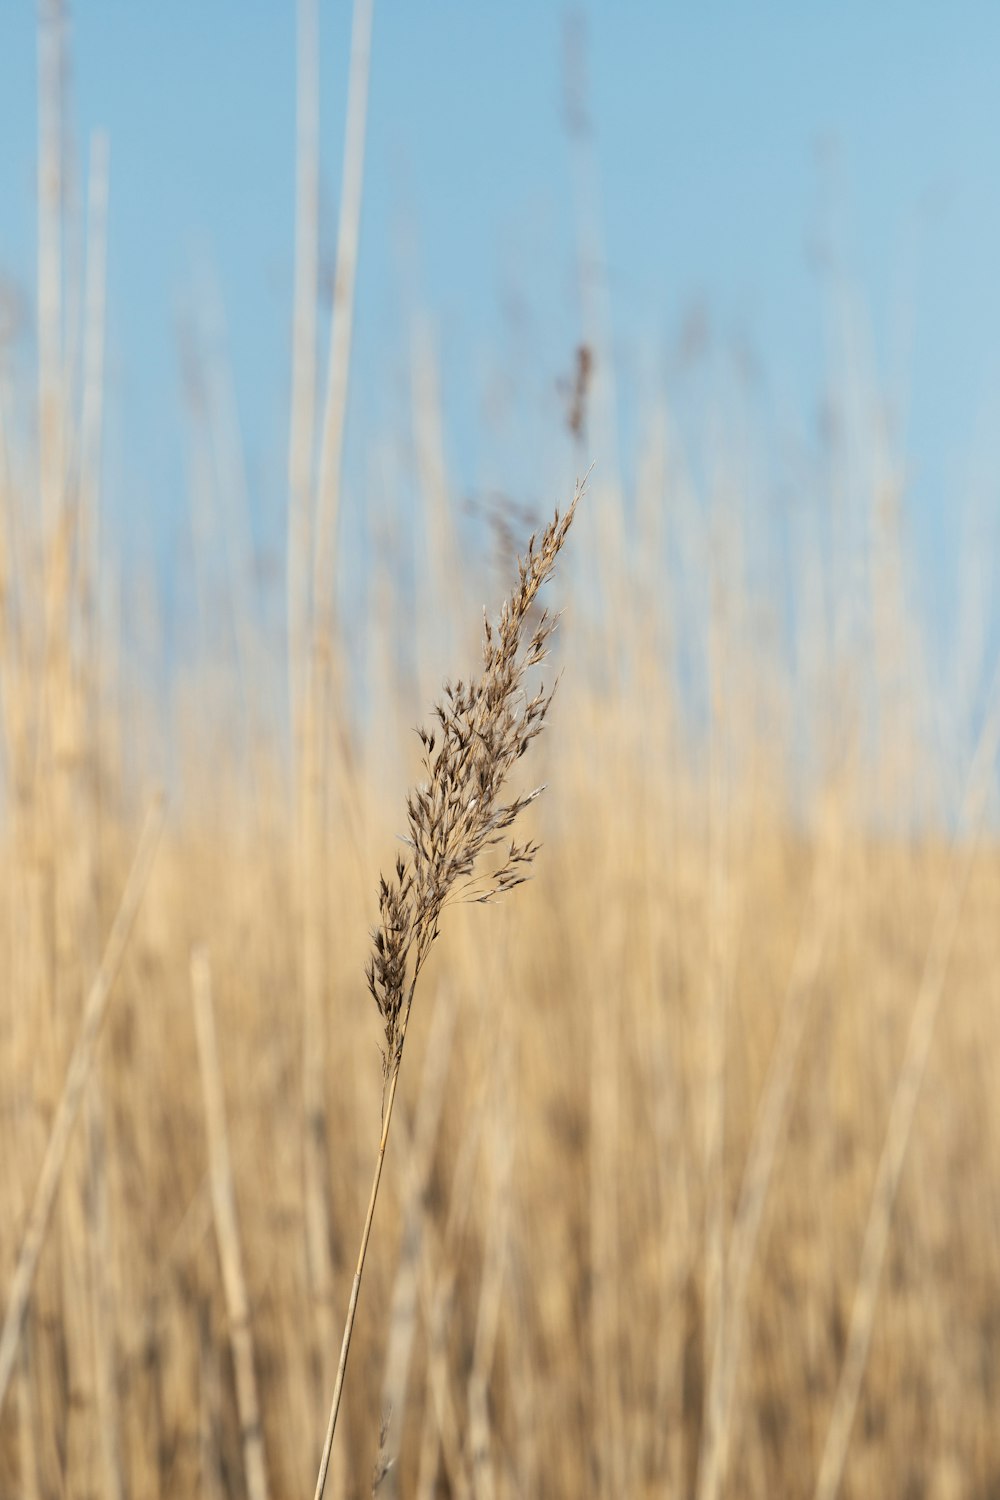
456, 816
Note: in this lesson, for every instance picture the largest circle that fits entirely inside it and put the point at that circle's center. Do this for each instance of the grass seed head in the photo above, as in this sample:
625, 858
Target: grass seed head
461, 810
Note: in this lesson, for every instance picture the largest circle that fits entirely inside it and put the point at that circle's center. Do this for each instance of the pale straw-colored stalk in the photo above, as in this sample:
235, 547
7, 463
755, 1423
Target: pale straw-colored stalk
303, 403
227, 1228
73, 1090
342, 324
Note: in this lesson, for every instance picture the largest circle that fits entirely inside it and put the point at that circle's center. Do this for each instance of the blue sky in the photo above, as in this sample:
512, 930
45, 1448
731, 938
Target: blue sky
729, 138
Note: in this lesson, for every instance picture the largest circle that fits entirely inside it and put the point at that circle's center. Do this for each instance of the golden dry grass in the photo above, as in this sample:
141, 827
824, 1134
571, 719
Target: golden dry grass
645, 1104
555, 1249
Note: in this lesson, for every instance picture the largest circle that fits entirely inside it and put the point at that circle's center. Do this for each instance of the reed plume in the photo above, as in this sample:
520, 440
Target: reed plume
459, 816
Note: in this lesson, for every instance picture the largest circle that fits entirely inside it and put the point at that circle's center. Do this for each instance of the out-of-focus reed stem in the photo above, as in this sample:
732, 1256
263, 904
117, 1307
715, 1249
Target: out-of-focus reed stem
227, 1229
342, 325
76, 1081
303, 401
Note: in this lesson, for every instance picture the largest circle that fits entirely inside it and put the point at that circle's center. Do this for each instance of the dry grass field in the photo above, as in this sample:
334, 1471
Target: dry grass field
694, 1181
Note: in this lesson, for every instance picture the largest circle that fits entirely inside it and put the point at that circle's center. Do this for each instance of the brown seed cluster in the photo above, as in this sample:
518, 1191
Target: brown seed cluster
460, 811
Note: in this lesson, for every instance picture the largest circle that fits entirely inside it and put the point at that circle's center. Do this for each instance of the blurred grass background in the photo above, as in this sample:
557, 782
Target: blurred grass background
696, 1188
